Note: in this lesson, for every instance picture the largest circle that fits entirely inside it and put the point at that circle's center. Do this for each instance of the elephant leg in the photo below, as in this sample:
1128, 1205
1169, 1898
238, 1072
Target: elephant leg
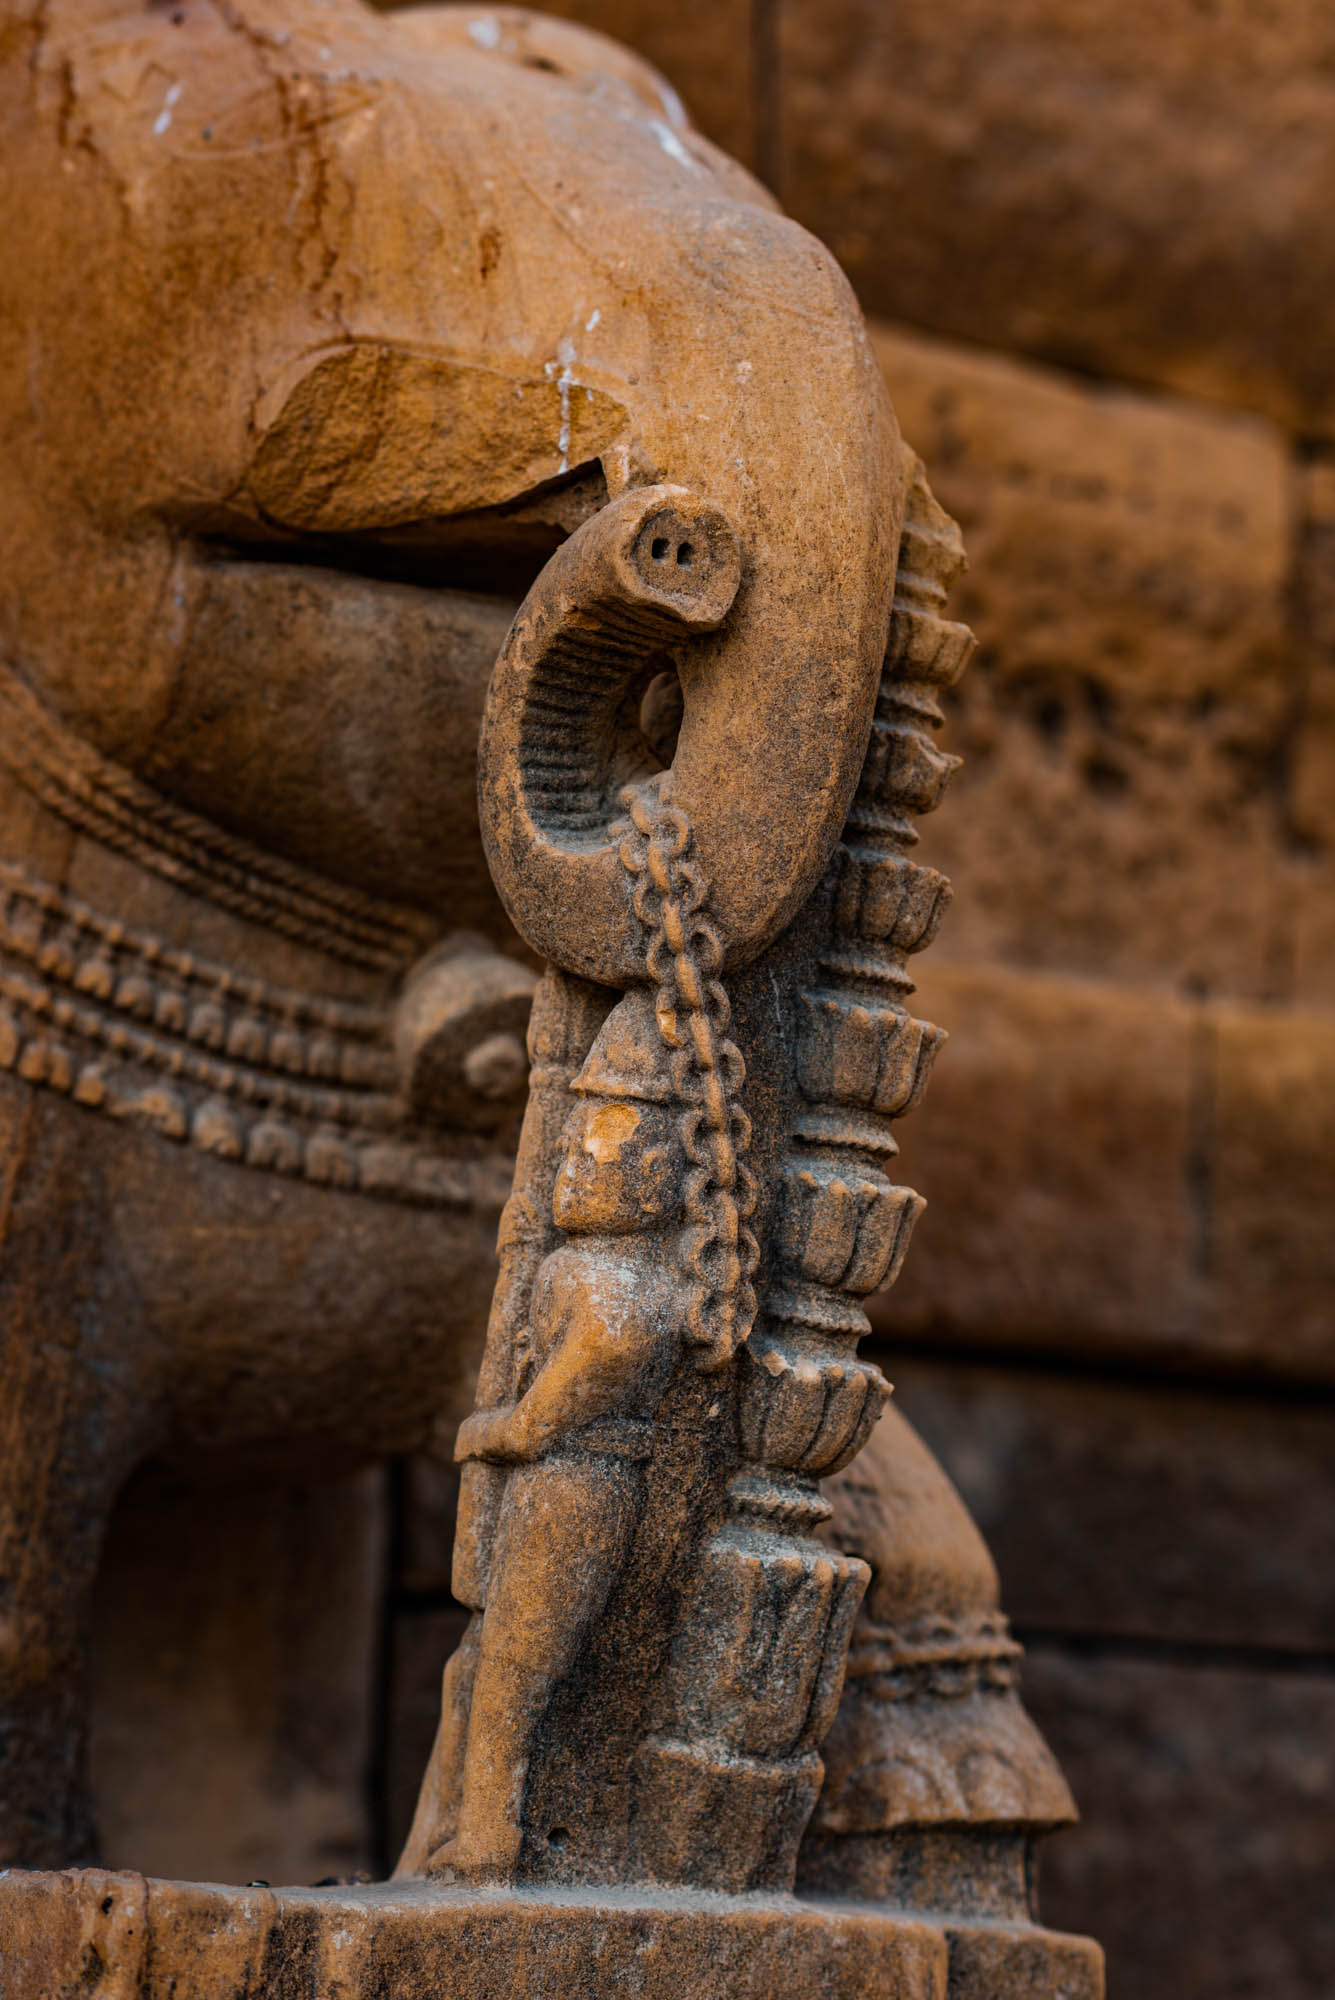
437, 1816
67, 1442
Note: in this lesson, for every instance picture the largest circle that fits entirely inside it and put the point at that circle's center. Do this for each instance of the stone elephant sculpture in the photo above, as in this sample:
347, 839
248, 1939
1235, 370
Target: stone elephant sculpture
323, 332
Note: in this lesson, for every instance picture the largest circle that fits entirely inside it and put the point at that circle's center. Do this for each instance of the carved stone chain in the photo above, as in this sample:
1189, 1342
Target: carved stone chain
684, 956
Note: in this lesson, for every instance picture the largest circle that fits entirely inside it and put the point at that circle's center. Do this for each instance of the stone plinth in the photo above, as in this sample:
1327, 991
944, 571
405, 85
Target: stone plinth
99, 1935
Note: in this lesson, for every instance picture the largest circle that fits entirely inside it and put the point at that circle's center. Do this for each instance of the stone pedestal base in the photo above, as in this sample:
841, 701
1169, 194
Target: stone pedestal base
121, 1937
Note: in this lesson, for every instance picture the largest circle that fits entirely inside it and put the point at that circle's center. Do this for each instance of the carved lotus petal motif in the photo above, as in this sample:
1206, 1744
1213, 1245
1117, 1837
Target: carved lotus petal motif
878, 1394
215, 1130
903, 770
851, 1053
163, 1107
929, 648
273, 1144
817, 1228
890, 901
49, 1062
329, 1160
843, 1229
883, 1239
96, 977
799, 1414
845, 1403
59, 957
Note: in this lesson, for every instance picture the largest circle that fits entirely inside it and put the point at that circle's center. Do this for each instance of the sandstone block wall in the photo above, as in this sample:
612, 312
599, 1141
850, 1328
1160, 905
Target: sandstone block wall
1099, 249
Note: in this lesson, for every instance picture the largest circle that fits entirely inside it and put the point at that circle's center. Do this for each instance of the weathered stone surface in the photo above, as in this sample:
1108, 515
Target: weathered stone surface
1268, 1181
585, 1736
379, 296
1129, 713
1140, 1511
157, 1939
1055, 1171
342, 334
1206, 1846
1145, 738
235, 1653
1139, 194
1311, 771
1113, 1165
930, 1733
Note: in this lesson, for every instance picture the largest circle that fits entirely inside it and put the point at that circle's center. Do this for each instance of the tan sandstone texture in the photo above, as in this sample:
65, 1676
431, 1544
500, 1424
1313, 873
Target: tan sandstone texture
1152, 1169
1129, 569
1134, 191
383, 394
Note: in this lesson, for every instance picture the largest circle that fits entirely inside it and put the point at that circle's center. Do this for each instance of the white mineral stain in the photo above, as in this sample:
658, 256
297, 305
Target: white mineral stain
616, 468
672, 145
593, 319
565, 354
485, 32
672, 104
164, 118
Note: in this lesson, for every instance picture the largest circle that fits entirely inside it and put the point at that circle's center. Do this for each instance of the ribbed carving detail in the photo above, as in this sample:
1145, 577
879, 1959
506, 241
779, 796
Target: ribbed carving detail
769, 1609
862, 1060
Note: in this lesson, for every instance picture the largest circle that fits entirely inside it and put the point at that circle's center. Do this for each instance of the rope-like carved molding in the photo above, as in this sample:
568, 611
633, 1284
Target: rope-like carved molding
212, 1006
103, 800
945, 1657
683, 957
228, 1064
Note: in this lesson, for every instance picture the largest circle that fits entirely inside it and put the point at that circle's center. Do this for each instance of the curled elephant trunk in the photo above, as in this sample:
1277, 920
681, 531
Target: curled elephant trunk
647, 575
650, 582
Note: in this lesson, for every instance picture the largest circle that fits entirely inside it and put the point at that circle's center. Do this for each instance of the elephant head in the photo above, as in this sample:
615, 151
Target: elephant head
326, 329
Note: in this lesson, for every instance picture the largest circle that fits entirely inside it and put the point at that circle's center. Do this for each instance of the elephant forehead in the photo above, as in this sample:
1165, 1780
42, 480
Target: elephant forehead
241, 193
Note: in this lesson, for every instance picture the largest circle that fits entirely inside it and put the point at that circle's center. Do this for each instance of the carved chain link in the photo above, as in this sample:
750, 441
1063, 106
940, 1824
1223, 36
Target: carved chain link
683, 957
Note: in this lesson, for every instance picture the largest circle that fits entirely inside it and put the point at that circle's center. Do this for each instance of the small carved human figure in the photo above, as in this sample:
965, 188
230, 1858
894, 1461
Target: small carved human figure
605, 1335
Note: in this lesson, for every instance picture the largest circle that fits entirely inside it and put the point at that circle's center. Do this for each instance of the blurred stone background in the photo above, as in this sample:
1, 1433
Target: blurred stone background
1098, 246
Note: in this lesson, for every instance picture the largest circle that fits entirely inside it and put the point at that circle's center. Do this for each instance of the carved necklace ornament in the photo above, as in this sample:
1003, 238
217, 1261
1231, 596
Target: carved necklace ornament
267, 1076
951, 1657
258, 1074
102, 799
